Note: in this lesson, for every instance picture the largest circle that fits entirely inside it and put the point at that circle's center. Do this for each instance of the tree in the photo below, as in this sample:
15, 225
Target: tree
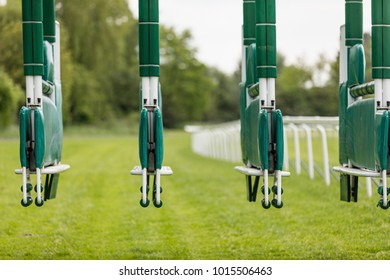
224, 98
102, 43
186, 85
11, 53
10, 94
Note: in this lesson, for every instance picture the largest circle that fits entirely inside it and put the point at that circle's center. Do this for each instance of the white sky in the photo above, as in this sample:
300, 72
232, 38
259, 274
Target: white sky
305, 28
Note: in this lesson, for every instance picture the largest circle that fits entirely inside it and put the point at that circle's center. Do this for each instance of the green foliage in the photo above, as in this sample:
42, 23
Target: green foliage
10, 95
225, 98
11, 42
299, 92
186, 86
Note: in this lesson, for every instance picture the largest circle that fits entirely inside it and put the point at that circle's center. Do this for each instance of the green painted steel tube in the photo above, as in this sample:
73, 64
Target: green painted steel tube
158, 126
353, 22
144, 47
263, 139
39, 137
380, 39
377, 38
266, 38
271, 51
386, 39
377, 52
143, 138
32, 16
249, 27
149, 38
49, 21
362, 90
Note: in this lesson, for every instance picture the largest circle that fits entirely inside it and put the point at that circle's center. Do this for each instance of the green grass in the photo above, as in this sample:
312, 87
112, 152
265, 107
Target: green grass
96, 214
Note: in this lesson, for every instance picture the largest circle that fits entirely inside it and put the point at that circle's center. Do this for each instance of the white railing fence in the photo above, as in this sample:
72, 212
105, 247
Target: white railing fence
222, 142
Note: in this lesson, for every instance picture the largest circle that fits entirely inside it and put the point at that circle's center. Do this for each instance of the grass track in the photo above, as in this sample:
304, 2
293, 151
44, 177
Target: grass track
96, 214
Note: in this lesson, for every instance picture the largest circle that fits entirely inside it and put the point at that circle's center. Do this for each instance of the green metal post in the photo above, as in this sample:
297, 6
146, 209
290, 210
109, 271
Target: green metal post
49, 21
266, 38
353, 22
149, 38
380, 38
32, 15
249, 22
377, 38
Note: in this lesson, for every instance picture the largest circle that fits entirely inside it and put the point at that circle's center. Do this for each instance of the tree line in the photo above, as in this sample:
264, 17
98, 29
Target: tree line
100, 81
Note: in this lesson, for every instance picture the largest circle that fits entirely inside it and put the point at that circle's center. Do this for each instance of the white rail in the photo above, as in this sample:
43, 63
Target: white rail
222, 142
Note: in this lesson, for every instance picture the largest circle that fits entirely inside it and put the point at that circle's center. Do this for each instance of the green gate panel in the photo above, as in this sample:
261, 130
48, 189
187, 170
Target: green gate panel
158, 126
143, 138
53, 132
252, 133
243, 122
251, 65
382, 139
277, 122
263, 139
48, 62
51, 186
24, 134
356, 65
360, 133
39, 137
343, 104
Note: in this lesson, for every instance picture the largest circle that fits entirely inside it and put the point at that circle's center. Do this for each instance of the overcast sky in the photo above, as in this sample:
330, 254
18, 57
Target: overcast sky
305, 28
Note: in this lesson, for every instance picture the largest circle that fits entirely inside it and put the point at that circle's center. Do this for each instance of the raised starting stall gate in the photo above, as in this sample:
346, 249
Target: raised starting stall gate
364, 107
151, 149
41, 118
222, 142
261, 123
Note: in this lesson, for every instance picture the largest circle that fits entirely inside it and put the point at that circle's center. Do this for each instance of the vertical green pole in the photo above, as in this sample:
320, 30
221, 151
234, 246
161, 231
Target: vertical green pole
271, 38
154, 39
380, 39
249, 22
386, 39
32, 16
49, 21
149, 38
353, 22
377, 38
266, 38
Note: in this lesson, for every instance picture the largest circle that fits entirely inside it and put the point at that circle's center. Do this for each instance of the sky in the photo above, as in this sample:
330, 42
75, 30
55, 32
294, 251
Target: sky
305, 28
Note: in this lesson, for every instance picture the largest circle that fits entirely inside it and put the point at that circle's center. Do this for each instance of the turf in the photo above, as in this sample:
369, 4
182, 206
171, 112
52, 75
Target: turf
205, 216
